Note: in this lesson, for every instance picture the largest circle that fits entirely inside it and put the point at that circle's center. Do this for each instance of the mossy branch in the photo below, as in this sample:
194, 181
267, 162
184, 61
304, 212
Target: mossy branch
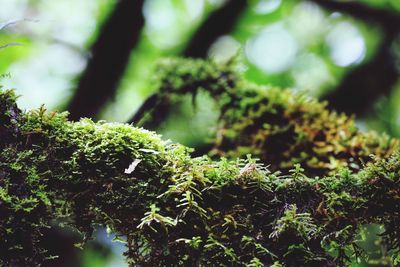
175, 210
278, 126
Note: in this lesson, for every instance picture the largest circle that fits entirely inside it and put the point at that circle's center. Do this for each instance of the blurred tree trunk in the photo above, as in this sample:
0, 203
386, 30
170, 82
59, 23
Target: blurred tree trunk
109, 59
219, 23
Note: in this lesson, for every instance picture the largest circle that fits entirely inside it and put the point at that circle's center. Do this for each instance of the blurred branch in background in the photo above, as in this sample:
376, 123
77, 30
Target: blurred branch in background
155, 106
7, 24
364, 84
9, 44
219, 23
11, 23
109, 59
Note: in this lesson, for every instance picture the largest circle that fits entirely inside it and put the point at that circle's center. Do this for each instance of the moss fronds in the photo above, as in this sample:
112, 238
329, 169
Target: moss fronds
278, 126
175, 210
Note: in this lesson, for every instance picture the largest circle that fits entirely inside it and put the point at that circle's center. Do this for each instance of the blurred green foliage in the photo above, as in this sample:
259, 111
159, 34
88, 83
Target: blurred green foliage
285, 43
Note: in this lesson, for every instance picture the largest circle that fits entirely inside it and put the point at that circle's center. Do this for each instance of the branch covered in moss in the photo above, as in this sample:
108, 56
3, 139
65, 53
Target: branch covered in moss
278, 126
174, 210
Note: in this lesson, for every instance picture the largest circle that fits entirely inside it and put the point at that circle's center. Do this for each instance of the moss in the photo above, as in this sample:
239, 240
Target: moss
176, 210
278, 126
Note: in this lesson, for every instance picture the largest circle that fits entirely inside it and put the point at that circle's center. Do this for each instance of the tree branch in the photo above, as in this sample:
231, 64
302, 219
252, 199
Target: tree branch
278, 126
364, 84
220, 22
169, 205
110, 55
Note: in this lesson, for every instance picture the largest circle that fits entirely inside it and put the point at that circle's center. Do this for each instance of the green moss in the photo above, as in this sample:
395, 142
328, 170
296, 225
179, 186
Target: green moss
278, 126
175, 210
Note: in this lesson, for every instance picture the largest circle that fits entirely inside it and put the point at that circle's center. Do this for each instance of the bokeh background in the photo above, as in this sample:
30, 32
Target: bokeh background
96, 58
